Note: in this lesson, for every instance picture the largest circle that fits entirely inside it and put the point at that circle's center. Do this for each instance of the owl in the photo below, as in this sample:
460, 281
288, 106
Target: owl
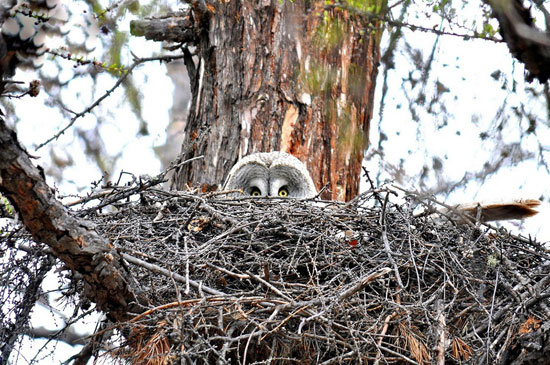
271, 174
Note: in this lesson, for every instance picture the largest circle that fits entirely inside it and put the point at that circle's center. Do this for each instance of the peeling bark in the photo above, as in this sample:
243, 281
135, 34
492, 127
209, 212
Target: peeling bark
282, 75
72, 240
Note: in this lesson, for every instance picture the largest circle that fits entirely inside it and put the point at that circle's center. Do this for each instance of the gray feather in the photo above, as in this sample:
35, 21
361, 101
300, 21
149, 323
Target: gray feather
270, 171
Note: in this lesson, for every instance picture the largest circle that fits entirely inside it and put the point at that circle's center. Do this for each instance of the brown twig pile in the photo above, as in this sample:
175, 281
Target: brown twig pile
283, 281
247, 280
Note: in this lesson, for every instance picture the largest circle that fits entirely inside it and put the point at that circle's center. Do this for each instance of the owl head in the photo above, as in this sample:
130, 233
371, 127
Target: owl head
271, 174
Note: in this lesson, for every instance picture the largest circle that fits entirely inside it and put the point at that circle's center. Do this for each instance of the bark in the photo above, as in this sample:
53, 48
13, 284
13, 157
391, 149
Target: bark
176, 27
296, 76
71, 239
531, 347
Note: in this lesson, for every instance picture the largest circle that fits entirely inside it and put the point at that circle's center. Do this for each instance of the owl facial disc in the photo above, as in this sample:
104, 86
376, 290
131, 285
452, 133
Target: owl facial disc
271, 174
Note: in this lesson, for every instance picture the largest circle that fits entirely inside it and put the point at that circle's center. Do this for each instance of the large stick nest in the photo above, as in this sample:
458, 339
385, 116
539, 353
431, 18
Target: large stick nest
273, 280
283, 281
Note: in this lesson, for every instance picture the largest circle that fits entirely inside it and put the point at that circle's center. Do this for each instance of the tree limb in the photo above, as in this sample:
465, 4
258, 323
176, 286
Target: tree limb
178, 27
72, 240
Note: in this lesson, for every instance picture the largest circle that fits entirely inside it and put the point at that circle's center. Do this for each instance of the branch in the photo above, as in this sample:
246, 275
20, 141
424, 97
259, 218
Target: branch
125, 74
525, 41
400, 24
74, 241
177, 27
159, 270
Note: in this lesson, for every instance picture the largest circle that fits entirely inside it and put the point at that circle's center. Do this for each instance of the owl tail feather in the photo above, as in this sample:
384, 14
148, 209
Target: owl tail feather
516, 209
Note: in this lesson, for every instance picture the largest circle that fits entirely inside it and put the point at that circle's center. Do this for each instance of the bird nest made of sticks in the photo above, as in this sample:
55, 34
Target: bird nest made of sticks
279, 281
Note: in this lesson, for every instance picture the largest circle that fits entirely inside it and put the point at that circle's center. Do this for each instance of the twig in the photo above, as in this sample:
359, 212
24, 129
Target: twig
362, 283
121, 79
159, 270
413, 27
441, 332
387, 248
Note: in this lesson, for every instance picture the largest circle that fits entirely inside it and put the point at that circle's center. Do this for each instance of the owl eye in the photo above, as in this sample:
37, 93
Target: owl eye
255, 192
283, 191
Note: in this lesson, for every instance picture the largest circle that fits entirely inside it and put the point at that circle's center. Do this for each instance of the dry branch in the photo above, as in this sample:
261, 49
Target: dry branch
176, 27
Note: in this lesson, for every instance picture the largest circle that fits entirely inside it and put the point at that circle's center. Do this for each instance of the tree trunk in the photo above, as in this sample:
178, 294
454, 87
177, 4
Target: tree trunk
295, 76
